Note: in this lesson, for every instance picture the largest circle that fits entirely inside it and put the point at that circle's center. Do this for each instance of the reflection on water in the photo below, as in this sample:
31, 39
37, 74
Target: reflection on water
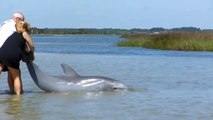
163, 84
13, 107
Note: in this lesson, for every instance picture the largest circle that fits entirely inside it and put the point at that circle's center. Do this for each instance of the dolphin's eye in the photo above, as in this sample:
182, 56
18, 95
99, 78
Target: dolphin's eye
115, 88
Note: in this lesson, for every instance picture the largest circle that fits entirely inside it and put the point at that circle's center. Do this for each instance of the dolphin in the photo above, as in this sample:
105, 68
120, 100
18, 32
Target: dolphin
72, 81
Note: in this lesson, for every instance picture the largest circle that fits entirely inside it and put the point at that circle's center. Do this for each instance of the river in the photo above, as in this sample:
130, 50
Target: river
163, 85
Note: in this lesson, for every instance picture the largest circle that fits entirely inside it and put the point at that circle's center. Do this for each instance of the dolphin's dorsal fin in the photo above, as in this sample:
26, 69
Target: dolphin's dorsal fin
68, 70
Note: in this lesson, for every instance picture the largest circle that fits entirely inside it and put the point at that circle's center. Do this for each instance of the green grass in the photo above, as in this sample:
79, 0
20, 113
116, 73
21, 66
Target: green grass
185, 41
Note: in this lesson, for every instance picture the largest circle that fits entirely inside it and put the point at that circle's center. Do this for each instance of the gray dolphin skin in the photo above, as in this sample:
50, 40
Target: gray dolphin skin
72, 81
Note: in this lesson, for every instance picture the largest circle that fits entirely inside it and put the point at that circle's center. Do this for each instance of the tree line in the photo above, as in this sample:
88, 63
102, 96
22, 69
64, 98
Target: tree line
111, 31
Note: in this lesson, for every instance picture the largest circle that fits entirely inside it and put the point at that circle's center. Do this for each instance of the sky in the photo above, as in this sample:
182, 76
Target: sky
121, 14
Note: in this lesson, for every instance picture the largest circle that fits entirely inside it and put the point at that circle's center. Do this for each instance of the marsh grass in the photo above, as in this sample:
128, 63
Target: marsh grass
186, 41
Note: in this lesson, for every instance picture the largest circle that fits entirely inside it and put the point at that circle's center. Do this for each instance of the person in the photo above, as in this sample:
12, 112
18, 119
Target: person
11, 53
7, 28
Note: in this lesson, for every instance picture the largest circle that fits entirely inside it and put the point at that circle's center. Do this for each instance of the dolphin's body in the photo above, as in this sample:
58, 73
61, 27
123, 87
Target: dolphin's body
72, 81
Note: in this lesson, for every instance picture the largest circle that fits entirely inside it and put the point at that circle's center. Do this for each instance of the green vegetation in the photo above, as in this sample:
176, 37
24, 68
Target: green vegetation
186, 41
184, 38
109, 31
74, 31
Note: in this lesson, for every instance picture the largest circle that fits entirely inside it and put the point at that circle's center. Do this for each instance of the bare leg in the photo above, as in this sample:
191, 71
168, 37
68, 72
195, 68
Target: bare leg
21, 81
1, 68
10, 82
16, 78
9, 79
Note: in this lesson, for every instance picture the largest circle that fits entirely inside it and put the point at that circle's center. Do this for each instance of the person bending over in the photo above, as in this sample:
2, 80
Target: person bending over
11, 53
7, 28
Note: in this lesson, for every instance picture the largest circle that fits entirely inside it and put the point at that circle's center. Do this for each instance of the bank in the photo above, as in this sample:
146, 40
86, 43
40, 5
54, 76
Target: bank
185, 41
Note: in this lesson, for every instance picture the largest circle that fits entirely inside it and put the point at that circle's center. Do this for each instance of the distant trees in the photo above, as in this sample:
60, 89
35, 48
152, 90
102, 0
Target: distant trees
186, 29
111, 31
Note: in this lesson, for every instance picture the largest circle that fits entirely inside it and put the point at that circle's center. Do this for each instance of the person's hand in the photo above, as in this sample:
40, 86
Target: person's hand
28, 56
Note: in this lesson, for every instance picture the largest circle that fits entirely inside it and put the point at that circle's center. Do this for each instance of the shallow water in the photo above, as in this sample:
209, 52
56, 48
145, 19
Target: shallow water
163, 85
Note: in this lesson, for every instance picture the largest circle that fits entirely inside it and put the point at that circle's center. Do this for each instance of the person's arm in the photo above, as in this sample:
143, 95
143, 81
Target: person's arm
29, 41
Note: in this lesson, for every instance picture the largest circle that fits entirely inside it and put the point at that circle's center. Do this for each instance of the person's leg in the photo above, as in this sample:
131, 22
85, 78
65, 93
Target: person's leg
1, 67
9, 79
10, 82
16, 78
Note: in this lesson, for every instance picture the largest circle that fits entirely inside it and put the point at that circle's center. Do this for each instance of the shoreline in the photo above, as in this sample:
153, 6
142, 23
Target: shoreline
180, 41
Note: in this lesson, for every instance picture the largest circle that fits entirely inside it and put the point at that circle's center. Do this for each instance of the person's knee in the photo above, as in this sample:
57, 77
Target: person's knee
13, 73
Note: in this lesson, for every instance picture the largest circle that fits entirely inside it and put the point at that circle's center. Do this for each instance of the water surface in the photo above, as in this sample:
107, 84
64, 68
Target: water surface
163, 84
